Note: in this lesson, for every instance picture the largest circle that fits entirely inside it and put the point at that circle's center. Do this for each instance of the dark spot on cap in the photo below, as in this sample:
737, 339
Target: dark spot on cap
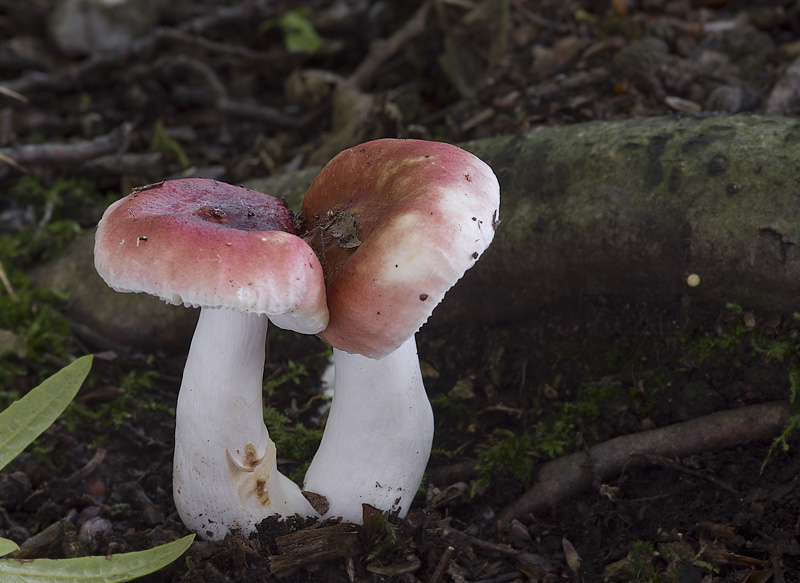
423, 297
212, 214
475, 255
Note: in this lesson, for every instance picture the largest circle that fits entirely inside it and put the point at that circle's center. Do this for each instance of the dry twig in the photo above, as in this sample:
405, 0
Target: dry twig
224, 103
383, 49
71, 153
6, 282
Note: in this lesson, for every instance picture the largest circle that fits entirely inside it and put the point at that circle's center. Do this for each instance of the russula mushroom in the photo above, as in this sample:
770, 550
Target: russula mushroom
233, 253
396, 223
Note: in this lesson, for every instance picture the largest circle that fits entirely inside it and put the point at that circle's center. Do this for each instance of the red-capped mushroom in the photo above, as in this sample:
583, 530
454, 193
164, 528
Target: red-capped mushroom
396, 224
233, 253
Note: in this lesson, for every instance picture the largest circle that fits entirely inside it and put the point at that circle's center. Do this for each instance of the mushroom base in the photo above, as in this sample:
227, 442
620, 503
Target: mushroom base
378, 436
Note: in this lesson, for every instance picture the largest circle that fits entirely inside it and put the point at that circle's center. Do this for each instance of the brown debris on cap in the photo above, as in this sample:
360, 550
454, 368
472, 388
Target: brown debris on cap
204, 243
396, 223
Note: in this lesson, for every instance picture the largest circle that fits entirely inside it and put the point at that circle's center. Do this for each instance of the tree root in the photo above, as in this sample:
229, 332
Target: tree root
565, 477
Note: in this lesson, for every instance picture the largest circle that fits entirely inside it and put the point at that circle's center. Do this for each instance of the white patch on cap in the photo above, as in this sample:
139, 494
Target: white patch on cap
407, 262
247, 296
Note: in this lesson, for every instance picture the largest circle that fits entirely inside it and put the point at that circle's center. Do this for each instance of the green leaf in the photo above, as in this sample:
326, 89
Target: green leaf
300, 34
109, 569
7, 546
26, 419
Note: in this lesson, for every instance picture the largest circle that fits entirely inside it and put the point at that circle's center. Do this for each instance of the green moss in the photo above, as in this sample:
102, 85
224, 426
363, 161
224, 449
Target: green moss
642, 552
592, 397
136, 393
545, 439
511, 452
382, 535
646, 395
782, 441
34, 329
460, 408
59, 209
295, 373
161, 142
296, 441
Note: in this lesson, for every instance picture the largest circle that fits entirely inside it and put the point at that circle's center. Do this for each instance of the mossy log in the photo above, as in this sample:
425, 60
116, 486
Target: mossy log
626, 209
631, 209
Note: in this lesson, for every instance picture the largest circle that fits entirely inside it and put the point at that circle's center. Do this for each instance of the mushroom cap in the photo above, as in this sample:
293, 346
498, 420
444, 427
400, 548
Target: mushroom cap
396, 224
204, 243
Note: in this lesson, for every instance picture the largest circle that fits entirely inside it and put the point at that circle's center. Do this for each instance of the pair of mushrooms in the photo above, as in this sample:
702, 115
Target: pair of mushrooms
393, 224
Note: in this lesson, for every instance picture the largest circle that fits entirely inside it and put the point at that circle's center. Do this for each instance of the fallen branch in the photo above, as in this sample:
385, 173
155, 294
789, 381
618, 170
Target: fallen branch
627, 209
630, 209
565, 477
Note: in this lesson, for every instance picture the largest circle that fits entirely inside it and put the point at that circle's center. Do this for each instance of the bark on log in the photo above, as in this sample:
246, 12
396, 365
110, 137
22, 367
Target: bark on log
625, 208
631, 208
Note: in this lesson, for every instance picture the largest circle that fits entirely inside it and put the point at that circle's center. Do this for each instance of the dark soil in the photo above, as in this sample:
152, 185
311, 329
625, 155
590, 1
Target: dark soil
507, 399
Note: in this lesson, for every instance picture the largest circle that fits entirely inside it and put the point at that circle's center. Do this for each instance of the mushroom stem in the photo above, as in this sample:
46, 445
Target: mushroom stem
378, 436
225, 473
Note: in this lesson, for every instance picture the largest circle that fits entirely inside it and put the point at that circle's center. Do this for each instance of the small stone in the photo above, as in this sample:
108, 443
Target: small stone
93, 529
733, 98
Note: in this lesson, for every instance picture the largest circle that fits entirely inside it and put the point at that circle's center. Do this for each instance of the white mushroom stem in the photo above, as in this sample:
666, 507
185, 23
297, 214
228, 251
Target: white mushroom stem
225, 474
378, 436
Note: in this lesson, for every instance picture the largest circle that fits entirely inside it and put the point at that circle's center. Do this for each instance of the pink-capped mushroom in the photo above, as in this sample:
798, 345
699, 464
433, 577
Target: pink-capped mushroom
233, 253
396, 223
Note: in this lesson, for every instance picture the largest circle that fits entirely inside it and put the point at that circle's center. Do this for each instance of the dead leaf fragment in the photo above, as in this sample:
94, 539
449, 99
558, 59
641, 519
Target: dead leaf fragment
572, 556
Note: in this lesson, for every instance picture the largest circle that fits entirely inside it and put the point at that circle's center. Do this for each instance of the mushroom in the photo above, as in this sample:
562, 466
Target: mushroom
396, 223
232, 252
